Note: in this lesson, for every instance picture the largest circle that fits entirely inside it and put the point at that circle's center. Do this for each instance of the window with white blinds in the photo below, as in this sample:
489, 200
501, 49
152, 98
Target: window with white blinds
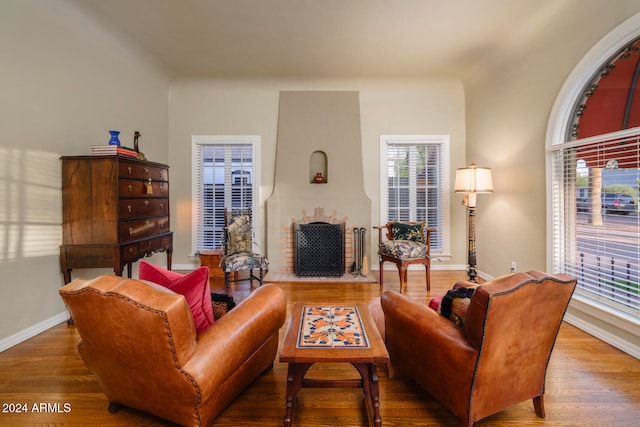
595, 221
225, 176
414, 188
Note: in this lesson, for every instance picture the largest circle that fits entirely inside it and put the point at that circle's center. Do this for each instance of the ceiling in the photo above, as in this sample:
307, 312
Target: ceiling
324, 38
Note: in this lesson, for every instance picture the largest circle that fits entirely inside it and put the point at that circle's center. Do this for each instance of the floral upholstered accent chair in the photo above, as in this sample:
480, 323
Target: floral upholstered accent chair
406, 243
238, 248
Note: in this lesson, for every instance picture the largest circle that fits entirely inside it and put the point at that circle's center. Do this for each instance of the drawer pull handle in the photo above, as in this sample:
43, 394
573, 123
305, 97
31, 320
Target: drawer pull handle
149, 187
146, 202
130, 250
130, 187
129, 169
147, 222
130, 231
129, 208
162, 225
161, 206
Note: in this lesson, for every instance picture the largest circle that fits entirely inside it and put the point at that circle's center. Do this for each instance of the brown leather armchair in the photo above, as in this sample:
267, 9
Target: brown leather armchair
498, 359
140, 342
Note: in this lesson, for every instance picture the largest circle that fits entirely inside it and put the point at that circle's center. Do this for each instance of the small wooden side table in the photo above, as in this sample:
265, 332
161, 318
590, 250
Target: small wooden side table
211, 259
300, 359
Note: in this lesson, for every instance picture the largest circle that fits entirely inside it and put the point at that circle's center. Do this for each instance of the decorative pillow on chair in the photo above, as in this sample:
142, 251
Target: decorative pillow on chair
455, 304
239, 235
403, 231
194, 286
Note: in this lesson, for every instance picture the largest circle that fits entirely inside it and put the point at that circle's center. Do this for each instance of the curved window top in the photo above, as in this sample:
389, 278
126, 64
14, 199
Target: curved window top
610, 101
568, 108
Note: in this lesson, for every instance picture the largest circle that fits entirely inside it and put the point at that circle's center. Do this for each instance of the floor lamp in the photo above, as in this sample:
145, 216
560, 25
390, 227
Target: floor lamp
471, 181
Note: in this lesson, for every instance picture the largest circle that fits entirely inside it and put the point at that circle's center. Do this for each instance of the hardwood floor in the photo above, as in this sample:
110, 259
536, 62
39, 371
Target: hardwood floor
589, 383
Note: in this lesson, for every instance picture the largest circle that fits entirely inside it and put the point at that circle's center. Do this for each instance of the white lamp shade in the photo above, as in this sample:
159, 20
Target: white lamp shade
473, 179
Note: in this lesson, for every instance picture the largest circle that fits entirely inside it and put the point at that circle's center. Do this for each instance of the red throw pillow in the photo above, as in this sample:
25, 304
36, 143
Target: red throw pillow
435, 302
194, 286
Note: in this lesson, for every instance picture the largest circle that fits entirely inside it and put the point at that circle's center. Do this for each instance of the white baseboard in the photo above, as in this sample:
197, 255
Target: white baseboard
32, 331
606, 336
184, 267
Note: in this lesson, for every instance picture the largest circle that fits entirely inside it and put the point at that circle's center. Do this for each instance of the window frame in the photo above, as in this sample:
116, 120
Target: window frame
594, 279
614, 327
442, 253
197, 142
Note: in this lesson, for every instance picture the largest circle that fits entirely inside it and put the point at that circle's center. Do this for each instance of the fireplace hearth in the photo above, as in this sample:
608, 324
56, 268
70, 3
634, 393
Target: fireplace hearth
319, 249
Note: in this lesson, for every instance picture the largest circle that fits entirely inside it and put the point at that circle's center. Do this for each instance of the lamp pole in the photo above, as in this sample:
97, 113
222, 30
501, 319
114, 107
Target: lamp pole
472, 270
470, 181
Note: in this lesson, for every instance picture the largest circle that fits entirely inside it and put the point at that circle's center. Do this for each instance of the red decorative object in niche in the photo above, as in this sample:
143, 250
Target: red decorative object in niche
319, 179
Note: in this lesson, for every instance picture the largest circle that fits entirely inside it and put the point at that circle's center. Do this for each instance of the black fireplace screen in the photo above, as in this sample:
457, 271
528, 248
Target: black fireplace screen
319, 249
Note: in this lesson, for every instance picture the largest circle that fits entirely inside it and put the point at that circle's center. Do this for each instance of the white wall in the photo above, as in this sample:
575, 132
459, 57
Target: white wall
508, 110
247, 107
65, 82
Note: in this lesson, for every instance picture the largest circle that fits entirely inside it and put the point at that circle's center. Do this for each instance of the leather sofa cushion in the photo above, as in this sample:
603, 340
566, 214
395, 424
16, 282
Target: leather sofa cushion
193, 286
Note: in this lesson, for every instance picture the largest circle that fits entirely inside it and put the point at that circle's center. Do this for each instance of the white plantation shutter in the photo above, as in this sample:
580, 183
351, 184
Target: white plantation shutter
413, 182
595, 222
224, 177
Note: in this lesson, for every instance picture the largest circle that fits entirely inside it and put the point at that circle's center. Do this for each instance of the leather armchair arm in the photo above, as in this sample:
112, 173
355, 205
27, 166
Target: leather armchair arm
427, 346
229, 342
416, 324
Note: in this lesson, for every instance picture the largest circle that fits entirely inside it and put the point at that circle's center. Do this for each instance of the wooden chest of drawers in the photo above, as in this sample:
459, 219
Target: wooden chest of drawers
115, 210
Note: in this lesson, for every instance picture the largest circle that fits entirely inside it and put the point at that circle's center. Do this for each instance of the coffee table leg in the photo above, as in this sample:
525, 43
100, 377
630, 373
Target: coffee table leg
294, 384
369, 374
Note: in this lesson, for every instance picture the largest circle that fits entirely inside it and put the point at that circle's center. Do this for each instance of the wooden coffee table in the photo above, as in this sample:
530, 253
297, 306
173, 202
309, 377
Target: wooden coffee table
302, 349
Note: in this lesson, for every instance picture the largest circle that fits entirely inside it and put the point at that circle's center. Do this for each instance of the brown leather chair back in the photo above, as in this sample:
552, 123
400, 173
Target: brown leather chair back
140, 342
133, 333
498, 360
513, 322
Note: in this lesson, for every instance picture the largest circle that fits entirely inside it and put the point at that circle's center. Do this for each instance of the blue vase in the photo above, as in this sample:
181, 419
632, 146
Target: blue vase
114, 137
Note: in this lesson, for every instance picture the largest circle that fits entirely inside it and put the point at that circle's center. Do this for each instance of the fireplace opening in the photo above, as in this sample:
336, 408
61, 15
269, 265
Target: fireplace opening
319, 249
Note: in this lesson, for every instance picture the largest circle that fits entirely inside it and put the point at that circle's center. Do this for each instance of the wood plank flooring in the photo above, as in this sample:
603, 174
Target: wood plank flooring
589, 383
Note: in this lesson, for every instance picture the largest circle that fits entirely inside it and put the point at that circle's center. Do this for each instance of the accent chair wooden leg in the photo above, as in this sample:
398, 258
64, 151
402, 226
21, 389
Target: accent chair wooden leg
227, 279
538, 405
428, 268
381, 271
402, 271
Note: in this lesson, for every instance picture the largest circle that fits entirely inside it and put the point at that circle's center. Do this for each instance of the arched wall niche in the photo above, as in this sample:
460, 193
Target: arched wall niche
318, 164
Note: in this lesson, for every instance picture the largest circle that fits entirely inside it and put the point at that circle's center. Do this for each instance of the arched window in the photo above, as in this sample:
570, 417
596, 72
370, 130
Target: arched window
593, 170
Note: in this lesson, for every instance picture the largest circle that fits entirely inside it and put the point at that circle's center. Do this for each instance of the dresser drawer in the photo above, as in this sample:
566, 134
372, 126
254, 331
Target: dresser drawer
130, 253
155, 244
134, 188
139, 171
134, 251
140, 208
141, 228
